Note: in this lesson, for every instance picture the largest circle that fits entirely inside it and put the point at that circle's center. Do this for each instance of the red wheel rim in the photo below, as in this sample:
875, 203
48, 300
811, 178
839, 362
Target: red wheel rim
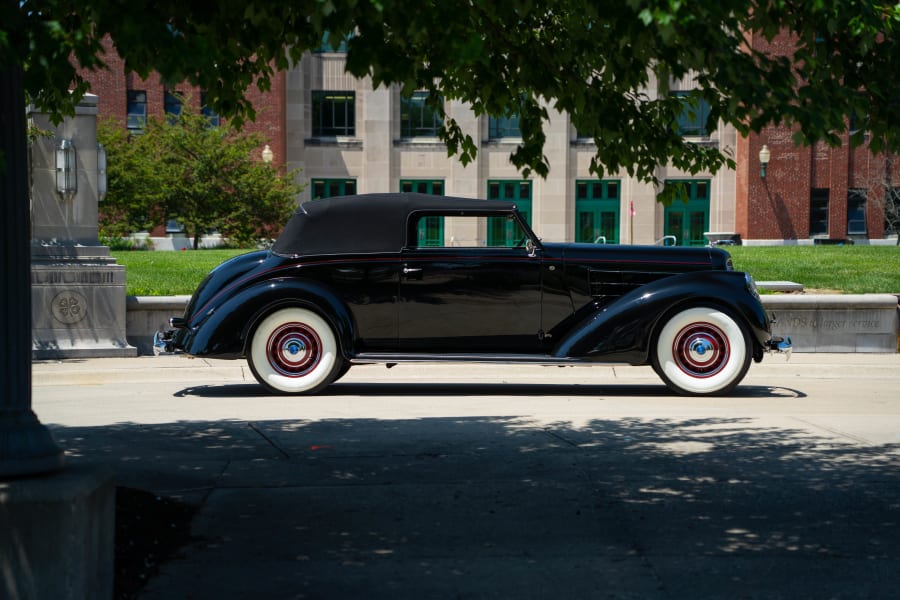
294, 349
701, 350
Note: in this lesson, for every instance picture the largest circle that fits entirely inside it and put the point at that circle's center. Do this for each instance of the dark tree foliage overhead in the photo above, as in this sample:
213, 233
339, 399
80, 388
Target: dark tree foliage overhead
594, 60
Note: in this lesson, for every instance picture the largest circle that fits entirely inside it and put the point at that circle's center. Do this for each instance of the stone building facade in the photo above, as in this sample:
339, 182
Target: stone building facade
344, 136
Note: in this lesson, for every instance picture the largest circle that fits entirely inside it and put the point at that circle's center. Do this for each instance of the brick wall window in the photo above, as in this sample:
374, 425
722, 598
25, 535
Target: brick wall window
892, 211
818, 212
327, 188
211, 115
856, 211
136, 111
333, 113
173, 105
417, 119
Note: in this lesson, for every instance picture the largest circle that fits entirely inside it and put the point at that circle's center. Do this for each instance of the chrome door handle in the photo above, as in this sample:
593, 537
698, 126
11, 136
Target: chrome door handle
407, 270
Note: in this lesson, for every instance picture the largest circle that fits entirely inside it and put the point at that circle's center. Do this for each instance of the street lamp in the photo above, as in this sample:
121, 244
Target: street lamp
764, 156
267, 155
101, 172
66, 175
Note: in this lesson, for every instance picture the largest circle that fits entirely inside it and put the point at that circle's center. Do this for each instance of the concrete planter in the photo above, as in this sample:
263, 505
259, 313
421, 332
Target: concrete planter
836, 323
815, 323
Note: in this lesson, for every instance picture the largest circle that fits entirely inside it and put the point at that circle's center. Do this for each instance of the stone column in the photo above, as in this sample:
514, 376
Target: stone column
56, 525
25, 444
77, 289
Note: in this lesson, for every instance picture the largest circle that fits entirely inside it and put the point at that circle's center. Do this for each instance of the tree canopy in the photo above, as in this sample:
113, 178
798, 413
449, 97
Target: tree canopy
182, 168
607, 64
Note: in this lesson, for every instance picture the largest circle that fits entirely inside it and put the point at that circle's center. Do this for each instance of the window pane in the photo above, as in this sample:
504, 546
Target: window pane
326, 188
504, 127
333, 113
137, 110
695, 112
856, 211
172, 104
417, 119
818, 212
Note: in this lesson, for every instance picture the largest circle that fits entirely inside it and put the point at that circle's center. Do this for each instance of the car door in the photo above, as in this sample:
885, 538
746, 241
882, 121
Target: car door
468, 297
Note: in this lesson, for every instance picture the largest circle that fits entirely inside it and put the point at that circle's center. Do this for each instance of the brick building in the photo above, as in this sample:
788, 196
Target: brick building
809, 192
126, 97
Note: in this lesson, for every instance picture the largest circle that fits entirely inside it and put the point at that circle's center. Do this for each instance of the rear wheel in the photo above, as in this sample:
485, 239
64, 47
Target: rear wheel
702, 351
294, 351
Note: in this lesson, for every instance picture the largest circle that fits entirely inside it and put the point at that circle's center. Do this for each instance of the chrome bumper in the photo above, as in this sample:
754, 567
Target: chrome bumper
780, 345
164, 339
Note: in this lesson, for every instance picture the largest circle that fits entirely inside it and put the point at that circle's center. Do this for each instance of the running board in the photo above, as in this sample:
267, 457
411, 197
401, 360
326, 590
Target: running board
512, 359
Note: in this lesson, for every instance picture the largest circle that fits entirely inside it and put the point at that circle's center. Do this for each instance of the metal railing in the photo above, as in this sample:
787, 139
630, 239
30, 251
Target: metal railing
667, 240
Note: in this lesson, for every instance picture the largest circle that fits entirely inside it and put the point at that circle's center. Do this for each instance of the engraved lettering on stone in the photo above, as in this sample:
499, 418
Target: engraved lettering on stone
69, 307
70, 277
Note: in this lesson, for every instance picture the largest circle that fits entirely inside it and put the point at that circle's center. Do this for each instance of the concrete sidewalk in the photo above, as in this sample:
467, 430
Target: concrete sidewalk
174, 368
477, 481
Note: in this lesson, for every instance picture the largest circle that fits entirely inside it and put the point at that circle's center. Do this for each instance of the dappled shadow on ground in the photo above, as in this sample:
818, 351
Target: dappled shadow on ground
509, 507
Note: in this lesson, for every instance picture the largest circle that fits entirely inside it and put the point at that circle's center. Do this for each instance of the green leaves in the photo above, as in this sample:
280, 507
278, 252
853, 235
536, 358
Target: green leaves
206, 177
606, 64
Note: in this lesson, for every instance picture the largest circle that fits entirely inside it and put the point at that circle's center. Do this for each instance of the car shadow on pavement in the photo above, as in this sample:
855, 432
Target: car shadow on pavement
482, 389
507, 507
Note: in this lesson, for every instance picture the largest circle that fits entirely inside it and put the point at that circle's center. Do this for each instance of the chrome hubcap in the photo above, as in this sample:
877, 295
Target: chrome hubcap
701, 350
294, 349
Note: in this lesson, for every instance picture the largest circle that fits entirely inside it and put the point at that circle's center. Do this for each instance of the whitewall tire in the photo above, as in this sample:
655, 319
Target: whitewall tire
294, 351
702, 351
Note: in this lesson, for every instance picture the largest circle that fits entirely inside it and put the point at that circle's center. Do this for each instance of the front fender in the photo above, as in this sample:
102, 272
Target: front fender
622, 330
224, 331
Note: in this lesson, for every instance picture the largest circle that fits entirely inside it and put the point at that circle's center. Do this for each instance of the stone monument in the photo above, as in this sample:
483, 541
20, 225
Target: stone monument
77, 289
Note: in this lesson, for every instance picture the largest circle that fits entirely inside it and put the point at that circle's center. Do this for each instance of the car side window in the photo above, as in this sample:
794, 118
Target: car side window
467, 231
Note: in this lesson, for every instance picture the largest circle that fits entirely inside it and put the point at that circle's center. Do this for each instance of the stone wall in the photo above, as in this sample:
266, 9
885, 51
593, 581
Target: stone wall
815, 323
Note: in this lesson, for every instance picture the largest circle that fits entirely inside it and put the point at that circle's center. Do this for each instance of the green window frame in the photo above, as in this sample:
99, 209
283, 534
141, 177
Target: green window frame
687, 218
327, 188
500, 231
327, 44
504, 127
597, 210
417, 119
333, 113
431, 228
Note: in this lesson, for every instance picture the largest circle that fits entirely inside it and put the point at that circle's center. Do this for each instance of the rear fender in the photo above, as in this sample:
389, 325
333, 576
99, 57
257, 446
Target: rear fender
623, 330
226, 329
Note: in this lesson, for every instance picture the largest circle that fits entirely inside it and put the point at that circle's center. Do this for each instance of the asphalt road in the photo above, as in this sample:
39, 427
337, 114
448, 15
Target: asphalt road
499, 482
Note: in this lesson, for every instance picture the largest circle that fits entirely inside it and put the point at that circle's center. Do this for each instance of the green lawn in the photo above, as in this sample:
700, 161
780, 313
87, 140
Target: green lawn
849, 269
168, 273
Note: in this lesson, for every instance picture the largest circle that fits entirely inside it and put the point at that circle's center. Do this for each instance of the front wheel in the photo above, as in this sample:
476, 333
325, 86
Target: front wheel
702, 351
294, 351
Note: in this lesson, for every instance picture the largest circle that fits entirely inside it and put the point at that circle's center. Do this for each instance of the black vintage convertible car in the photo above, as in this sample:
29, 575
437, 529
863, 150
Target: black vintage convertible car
390, 278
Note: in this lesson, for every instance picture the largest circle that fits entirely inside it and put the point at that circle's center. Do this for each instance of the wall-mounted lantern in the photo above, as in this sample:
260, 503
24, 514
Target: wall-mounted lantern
101, 172
764, 156
267, 155
66, 173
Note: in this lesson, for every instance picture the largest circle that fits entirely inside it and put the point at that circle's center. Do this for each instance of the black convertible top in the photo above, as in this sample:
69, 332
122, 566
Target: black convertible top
367, 223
